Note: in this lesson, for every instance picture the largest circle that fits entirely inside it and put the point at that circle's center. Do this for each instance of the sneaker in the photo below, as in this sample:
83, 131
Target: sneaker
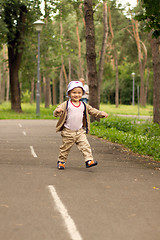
91, 163
60, 165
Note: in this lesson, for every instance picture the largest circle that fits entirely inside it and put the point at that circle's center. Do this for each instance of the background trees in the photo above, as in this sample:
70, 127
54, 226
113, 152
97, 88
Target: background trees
64, 47
16, 17
150, 15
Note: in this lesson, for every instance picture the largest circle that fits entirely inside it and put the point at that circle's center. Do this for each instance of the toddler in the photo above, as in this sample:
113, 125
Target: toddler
74, 123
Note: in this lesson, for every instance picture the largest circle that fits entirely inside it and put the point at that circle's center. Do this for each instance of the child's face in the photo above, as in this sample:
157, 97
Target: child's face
76, 94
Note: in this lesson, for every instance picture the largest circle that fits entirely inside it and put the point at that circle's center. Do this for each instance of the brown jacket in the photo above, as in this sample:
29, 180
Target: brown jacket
86, 120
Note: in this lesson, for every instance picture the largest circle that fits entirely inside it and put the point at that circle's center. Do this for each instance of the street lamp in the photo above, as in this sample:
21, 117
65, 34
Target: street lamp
133, 76
38, 26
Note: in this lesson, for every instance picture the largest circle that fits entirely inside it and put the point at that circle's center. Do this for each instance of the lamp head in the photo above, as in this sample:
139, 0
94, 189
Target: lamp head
133, 74
38, 25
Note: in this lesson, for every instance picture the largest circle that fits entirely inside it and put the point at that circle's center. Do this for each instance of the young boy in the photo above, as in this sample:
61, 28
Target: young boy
74, 118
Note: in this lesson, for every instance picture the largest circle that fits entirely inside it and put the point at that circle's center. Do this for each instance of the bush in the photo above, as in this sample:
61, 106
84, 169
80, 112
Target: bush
142, 138
26, 97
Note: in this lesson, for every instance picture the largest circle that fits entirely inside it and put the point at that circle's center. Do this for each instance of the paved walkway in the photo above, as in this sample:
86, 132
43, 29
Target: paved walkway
119, 199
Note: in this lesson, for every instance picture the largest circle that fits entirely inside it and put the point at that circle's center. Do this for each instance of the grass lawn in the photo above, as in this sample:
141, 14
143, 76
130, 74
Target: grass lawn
127, 109
29, 111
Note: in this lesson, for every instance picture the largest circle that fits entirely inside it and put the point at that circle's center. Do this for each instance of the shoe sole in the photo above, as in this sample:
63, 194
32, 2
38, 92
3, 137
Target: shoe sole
92, 165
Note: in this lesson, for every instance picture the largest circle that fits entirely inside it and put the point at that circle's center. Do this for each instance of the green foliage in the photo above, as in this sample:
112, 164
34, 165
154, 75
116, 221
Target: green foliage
67, 13
122, 124
125, 83
11, 13
26, 97
142, 138
151, 15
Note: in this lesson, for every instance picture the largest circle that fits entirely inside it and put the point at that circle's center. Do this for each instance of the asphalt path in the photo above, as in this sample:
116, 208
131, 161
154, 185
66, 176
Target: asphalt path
119, 199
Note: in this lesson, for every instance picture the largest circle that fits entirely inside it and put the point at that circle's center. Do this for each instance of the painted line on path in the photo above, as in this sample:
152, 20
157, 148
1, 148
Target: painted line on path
71, 227
33, 152
24, 133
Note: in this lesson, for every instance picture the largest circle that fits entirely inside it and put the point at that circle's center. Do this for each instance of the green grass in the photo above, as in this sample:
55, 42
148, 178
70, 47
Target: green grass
140, 138
29, 111
127, 109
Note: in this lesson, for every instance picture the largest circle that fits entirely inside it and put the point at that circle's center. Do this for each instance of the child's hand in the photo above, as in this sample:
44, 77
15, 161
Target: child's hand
58, 110
104, 114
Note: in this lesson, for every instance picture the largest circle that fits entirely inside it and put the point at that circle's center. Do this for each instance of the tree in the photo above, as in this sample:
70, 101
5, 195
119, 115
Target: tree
155, 44
4, 88
142, 58
116, 62
91, 54
17, 16
151, 16
103, 49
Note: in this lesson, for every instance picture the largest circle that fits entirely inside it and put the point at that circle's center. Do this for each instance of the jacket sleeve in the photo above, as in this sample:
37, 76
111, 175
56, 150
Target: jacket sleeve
57, 114
95, 112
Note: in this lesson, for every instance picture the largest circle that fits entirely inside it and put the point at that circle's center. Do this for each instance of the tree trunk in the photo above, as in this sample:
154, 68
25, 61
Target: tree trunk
62, 60
117, 82
91, 55
70, 69
61, 83
54, 92
82, 15
44, 86
0, 87
7, 72
146, 88
116, 63
80, 75
14, 83
155, 46
3, 87
7, 93
15, 51
140, 57
32, 90
47, 93
103, 50
61, 72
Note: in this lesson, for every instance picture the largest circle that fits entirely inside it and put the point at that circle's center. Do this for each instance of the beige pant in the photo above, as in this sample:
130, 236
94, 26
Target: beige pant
70, 137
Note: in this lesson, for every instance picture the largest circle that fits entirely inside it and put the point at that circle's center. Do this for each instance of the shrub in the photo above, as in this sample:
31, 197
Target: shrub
26, 97
142, 138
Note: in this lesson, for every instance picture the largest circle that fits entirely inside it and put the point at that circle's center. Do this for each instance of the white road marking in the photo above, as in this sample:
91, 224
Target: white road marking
19, 125
71, 227
33, 152
24, 133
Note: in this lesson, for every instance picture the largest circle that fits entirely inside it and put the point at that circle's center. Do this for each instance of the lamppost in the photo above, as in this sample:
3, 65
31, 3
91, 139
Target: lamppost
133, 76
38, 25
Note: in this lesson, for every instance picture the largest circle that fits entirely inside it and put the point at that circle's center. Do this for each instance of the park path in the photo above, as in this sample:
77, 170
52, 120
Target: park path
119, 199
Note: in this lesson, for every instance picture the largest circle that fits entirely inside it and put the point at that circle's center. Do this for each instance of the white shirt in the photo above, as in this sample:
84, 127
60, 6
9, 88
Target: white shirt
74, 119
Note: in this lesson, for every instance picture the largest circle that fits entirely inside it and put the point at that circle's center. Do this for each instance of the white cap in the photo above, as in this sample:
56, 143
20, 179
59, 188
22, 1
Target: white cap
75, 84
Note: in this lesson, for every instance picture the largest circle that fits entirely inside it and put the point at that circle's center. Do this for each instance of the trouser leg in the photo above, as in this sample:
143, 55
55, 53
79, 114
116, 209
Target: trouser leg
67, 143
83, 145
